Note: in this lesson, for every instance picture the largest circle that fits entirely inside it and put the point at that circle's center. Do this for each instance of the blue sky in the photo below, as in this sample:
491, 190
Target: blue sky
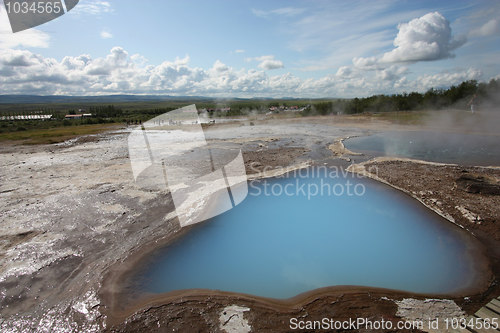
253, 48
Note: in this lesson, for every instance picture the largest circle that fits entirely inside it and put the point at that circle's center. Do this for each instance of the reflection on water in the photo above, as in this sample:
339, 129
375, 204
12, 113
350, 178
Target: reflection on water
466, 149
282, 245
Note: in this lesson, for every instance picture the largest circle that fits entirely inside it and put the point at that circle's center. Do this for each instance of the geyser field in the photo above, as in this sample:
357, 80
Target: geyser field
77, 237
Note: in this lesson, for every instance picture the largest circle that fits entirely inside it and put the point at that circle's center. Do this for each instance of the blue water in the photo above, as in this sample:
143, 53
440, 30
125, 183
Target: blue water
466, 149
279, 246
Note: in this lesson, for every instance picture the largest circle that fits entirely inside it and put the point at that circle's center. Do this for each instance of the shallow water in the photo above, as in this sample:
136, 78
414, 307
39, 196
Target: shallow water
283, 245
466, 149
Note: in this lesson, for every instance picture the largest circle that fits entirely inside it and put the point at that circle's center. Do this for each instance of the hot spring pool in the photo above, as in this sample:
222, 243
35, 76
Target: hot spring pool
466, 149
282, 244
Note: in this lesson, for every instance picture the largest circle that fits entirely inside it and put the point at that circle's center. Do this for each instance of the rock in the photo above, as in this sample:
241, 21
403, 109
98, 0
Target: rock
425, 311
472, 217
231, 320
477, 184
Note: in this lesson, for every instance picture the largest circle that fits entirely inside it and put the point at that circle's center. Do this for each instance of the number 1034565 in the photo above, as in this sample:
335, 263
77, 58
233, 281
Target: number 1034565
473, 323
36, 7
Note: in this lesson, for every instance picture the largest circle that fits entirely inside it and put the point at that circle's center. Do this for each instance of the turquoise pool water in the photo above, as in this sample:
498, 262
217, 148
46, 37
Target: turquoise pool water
466, 149
282, 244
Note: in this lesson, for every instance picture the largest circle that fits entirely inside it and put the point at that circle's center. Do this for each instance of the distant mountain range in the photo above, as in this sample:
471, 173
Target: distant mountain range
34, 99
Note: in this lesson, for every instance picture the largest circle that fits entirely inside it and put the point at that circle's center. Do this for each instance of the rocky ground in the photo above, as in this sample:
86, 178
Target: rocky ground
71, 215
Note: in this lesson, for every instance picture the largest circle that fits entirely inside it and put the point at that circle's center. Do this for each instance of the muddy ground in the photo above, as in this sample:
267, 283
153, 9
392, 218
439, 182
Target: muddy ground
71, 213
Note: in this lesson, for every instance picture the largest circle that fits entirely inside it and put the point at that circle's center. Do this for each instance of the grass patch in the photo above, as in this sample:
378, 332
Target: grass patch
54, 135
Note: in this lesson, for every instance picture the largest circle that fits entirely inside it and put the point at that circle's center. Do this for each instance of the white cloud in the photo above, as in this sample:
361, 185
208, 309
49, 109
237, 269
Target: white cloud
423, 39
489, 28
92, 7
106, 34
220, 67
393, 73
344, 71
284, 11
336, 32
267, 62
26, 38
239, 51
18, 58
366, 63
139, 59
446, 79
23, 72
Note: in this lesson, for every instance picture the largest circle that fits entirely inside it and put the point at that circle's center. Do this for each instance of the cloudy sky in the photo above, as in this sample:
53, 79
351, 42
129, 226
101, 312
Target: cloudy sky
253, 48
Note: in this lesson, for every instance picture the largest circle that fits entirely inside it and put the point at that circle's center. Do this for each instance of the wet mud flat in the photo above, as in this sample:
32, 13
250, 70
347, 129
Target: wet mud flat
72, 217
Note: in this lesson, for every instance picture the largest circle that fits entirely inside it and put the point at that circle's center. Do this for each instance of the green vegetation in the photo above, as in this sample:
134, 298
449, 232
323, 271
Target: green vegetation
54, 135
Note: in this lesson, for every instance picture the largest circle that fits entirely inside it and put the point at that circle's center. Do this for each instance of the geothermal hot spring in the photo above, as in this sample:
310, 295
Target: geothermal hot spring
465, 149
310, 230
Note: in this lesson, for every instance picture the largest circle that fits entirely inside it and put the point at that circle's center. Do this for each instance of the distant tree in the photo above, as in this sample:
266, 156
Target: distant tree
323, 108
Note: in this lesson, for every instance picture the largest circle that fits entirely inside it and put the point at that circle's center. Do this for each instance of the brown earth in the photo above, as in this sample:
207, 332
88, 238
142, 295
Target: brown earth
269, 159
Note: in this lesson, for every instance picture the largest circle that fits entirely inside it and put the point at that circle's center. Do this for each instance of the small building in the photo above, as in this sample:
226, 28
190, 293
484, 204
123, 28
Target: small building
78, 116
73, 116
